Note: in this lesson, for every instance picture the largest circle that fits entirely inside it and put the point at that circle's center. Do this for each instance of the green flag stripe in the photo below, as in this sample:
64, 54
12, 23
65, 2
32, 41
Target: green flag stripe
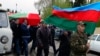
69, 25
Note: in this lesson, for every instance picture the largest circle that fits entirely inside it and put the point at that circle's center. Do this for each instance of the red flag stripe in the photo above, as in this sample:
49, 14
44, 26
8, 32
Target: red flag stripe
89, 15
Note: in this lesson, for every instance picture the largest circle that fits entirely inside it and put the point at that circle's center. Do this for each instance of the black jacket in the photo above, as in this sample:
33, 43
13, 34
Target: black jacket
64, 47
33, 30
43, 36
16, 30
25, 30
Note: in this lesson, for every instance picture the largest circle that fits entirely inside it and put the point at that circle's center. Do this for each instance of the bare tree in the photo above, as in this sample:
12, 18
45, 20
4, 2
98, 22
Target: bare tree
44, 3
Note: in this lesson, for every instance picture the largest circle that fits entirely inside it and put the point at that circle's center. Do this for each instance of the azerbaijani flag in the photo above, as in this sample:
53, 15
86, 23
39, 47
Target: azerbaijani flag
68, 24
68, 18
89, 13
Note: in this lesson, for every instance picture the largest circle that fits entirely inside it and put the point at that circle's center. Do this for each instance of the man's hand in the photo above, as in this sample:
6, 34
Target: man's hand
88, 46
83, 46
28, 26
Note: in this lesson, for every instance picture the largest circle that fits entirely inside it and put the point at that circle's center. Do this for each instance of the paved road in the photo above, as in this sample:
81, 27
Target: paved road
51, 51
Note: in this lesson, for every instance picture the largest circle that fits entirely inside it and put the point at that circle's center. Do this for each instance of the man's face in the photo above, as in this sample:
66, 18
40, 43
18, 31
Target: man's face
65, 33
81, 28
25, 21
17, 21
44, 25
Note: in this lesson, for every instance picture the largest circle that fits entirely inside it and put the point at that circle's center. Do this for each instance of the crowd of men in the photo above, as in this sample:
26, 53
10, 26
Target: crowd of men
42, 36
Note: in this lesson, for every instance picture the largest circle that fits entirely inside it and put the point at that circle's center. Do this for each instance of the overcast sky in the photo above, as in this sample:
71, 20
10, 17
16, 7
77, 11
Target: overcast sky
22, 5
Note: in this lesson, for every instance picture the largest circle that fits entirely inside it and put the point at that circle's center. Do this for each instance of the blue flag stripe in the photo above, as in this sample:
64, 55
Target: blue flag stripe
93, 6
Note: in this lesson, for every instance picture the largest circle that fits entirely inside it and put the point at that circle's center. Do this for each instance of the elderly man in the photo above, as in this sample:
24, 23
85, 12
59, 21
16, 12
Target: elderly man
43, 39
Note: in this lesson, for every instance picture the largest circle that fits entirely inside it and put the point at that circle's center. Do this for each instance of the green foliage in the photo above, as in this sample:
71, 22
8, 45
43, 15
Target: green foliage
95, 1
98, 23
62, 4
47, 11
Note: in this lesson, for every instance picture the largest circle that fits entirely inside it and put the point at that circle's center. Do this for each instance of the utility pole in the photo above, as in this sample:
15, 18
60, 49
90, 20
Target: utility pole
0, 5
16, 8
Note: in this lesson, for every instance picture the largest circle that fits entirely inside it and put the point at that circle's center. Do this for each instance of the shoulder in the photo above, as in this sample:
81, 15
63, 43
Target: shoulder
38, 29
74, 34
86, 36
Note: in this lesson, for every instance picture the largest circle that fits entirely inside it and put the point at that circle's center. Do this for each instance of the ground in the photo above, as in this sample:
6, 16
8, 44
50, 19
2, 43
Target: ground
51, 51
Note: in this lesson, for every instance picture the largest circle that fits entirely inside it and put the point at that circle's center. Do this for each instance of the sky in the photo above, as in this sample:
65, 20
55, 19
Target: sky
22, 5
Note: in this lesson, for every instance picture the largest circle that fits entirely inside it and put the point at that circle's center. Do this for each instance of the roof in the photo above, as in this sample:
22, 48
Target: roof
2, 10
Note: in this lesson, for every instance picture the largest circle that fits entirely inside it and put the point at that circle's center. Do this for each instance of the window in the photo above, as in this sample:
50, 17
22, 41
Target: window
3, 19
93, 37
98, 39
